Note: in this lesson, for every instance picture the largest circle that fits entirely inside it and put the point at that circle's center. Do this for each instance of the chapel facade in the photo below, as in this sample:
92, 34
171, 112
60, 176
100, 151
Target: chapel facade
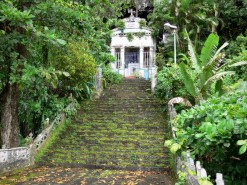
134, 49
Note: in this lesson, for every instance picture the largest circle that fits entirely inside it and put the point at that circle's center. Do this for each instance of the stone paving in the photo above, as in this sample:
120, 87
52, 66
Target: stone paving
116, 139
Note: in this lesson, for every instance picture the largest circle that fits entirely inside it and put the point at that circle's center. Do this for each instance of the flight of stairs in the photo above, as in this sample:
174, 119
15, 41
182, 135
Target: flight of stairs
124, 129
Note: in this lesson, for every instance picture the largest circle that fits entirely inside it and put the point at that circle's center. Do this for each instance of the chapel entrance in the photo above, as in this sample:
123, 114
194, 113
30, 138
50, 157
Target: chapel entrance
132, 60
132, 56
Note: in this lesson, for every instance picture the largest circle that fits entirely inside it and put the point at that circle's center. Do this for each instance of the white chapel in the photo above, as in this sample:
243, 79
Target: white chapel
134, 49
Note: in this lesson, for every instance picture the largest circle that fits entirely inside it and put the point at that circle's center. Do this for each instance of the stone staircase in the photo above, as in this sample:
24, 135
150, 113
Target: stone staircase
122, 130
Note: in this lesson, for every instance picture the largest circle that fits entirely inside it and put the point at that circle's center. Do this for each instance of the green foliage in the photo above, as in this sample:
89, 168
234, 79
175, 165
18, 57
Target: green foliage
181, 178
237, 52
232, 13
50, 49
198, 19
205, 68
130, 36
110, 76
50, 141
37, 98
169, 84
216, 132
120, 25
142, 23
140, 34
78, 62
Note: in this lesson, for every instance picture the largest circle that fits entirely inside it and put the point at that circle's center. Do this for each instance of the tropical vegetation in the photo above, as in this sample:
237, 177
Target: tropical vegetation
50, 50
211, 74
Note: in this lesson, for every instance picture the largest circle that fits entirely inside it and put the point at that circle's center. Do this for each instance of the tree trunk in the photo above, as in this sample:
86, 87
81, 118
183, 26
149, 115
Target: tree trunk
9, 116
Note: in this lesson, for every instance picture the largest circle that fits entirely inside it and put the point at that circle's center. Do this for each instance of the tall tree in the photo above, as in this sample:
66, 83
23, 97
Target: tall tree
30, 32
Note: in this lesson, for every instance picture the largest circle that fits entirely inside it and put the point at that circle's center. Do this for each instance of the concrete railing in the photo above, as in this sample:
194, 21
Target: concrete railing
194, 172
98, 81
20, 157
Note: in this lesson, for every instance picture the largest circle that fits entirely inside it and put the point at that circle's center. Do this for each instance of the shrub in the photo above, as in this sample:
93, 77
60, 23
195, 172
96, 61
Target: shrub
169, 84
216, 132
110, 76
78, 62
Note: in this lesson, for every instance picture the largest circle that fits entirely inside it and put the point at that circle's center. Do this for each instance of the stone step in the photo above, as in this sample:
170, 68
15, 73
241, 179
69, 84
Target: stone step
124, 128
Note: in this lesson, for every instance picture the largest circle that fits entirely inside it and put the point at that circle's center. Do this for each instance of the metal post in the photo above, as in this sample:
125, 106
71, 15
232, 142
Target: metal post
174, 28
175, 48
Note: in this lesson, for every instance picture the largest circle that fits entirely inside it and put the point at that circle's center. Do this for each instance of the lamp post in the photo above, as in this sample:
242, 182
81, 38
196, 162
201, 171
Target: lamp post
174, 29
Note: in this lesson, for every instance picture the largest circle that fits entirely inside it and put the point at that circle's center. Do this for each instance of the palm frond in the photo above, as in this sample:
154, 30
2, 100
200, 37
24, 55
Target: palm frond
219, 50
239, 64
193, 54
212, 66
187, 80
184, 57
209, 48
219, 87
218, 76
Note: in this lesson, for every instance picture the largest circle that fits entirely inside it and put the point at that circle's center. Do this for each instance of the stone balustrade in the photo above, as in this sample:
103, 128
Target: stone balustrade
20, 157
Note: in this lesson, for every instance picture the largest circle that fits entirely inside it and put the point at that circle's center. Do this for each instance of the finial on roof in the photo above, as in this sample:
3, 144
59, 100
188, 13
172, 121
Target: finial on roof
132, 17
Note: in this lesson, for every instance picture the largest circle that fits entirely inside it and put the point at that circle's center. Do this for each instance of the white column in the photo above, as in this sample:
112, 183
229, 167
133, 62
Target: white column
153, 78
122, 69
113, 64
151, 56
141, 57
141, 62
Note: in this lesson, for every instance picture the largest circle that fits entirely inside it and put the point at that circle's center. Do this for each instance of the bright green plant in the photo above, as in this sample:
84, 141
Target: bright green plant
202, 70
215, 131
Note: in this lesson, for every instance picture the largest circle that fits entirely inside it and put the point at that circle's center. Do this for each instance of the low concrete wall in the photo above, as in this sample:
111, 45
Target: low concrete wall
20, 157
14, 158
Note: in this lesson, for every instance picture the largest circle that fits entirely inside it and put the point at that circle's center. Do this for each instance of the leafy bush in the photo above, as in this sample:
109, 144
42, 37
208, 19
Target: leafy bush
237, 52
81, 66
169, 84
110, 76
120, 25
37, 98
216, 132
78, 62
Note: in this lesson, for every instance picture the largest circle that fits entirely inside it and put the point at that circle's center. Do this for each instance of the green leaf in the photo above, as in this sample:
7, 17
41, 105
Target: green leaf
239, 64
188, 82
199, 135
175, 147
241, 142
218, 76
60, 41
66, 74
205, 182
193, 56
168, 143
219, 87
242, 149
208, 48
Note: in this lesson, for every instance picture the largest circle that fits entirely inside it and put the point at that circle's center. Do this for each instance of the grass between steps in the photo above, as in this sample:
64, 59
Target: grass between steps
54, 135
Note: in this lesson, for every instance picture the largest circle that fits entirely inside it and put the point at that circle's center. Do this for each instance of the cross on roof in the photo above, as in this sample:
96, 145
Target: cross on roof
131, 11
